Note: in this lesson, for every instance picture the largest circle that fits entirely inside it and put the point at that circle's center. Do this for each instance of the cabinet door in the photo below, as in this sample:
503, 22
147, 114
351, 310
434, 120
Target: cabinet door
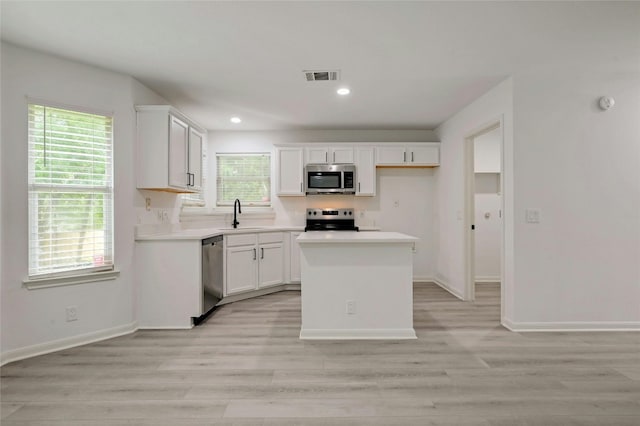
341, 155
390, 155
423, 155
295, 258
178, 140
365, 171
317, 155
290, 169
271, 270
196, 139
241, 269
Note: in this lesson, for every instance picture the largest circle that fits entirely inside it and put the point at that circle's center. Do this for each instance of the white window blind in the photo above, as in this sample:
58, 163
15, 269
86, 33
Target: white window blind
243, 176
70, 192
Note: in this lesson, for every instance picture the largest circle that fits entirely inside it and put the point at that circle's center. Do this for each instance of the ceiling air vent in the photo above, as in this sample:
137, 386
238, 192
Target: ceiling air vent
323, 75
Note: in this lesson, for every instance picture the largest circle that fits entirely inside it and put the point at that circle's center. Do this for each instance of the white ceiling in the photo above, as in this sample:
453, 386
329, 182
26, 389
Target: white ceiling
410, 65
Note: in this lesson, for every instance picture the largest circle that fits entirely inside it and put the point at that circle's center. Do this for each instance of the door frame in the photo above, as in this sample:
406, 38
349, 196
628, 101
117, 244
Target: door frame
469, 210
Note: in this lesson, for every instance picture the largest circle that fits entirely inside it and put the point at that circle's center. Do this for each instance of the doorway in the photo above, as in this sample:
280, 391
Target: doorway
484, 207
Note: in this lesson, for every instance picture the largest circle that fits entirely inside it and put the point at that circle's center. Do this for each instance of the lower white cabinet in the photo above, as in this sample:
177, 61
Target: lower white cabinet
169, 283
241, 269
253, 261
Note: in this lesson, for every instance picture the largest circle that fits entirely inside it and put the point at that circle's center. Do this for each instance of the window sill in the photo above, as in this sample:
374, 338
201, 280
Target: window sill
35, 284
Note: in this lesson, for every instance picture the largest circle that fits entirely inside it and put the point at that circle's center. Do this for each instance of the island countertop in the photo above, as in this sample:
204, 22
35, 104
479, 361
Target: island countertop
329, 237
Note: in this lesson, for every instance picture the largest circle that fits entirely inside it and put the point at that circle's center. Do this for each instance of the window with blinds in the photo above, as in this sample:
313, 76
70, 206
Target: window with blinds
70, 192
243, 176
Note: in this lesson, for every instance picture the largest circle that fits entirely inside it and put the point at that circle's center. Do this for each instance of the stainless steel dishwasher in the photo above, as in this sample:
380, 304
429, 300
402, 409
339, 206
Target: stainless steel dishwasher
212, 269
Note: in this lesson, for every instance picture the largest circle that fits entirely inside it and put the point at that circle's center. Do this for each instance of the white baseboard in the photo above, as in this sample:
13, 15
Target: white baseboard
523, 327
420, 279
358, 334
259, 292
66, 343
445, 285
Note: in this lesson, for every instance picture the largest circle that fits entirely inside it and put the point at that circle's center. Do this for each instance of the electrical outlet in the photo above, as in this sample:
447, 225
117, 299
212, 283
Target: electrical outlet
147, 203
533, 215
72, 313
351, 307
396, 203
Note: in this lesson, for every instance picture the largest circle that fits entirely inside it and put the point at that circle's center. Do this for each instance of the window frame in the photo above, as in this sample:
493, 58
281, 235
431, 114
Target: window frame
76, 274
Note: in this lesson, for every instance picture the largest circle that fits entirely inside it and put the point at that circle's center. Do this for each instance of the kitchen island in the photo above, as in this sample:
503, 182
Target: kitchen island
357, 285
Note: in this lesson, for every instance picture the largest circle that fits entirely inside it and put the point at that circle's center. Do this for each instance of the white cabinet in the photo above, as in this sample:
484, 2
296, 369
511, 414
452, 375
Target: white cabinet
289, 170
271, 265
328, 154
196, 142
365, 171
169, 150
169, 282
241, 269
408, 155
295, 275
253, 261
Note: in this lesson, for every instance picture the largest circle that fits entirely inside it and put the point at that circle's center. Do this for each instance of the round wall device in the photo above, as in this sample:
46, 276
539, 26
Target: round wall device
606, 102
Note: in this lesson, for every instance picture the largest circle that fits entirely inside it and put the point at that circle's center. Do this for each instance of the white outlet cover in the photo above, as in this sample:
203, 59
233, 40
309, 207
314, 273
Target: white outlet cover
532, 215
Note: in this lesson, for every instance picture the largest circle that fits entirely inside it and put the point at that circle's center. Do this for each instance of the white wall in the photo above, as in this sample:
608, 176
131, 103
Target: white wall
493, 106
487, 237
487, 165
581, 167
580, 266
414, 189
31, 318
486, 154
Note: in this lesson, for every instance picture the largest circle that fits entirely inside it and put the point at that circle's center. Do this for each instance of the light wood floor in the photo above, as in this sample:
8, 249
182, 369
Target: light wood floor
246, 366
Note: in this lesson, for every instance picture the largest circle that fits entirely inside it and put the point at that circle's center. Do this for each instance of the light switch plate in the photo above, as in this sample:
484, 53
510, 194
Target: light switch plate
532, 215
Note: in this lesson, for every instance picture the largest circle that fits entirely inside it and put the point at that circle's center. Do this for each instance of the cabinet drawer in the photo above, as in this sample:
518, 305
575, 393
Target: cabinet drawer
270, 237
240, 240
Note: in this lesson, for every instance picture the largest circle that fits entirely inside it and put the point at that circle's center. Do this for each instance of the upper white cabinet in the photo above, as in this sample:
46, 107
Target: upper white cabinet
328, 154
289, 170
408, 155
169, 150
196, 142
365, 162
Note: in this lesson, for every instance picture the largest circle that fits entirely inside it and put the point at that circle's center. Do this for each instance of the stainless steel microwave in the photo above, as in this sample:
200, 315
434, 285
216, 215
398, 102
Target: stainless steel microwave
330, 179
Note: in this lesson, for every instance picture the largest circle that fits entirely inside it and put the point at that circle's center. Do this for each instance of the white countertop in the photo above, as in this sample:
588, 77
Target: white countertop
327, 237
202, 233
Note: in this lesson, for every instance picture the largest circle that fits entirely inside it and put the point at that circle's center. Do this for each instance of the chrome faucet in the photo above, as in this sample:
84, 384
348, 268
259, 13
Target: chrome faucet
235, 221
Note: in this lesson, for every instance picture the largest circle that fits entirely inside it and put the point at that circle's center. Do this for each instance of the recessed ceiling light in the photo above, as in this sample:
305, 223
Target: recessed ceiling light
343, 91
235, 120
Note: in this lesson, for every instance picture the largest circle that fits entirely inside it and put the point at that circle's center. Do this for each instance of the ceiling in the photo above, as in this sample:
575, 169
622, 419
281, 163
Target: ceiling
409, 65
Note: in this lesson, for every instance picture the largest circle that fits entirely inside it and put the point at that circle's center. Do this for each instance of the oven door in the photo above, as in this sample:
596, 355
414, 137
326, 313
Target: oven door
323, 182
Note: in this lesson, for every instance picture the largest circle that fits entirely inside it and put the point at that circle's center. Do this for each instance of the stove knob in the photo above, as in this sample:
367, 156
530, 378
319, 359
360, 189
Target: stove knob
315, 213
350, 213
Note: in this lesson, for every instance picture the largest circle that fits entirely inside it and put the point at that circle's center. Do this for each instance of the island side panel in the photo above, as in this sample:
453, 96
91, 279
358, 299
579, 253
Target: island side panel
378, 277
169, 283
